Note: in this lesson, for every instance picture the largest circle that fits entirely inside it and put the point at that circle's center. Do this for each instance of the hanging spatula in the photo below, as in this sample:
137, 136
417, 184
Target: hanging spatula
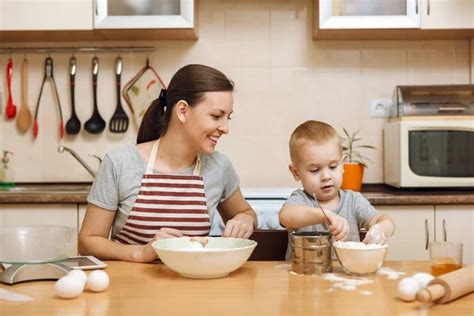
23, 120
119, 121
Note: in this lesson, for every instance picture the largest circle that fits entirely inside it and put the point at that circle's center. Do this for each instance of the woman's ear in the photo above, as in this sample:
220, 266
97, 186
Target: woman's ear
294, 172
182, 109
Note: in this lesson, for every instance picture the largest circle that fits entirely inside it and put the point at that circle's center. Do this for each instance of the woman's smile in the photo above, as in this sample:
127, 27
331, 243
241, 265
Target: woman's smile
213, 139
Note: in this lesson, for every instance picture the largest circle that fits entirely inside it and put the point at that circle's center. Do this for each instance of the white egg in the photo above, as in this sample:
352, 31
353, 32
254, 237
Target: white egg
97, 281
81, 275
407, 289
68, 287
423, 278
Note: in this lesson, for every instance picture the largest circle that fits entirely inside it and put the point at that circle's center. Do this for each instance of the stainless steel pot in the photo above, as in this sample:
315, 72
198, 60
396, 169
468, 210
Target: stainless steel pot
311, 252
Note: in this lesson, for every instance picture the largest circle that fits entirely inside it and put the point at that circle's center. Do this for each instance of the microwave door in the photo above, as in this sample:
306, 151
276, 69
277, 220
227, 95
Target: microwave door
441, 153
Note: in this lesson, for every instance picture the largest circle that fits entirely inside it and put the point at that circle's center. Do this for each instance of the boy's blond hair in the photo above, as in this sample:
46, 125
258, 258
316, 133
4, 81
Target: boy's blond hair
312, 132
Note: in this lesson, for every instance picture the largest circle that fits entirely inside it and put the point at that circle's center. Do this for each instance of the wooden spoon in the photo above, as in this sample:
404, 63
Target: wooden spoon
23, 121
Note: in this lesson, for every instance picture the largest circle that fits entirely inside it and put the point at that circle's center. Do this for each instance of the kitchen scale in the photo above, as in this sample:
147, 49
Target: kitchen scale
31, 253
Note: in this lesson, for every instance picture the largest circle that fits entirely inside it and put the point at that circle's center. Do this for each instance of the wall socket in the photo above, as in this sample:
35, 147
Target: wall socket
380, 107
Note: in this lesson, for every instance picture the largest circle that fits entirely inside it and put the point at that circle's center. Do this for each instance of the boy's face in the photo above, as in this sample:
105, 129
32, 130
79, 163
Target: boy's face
319, 167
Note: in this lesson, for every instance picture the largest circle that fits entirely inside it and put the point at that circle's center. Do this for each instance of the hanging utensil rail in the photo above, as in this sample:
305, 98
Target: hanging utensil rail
115, 49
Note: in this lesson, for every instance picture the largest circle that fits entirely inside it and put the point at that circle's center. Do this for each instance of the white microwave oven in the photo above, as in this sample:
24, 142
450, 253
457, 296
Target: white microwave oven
429, 152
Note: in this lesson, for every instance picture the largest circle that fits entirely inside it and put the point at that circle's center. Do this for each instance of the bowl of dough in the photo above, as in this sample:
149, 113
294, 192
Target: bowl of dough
360, 259
204, 257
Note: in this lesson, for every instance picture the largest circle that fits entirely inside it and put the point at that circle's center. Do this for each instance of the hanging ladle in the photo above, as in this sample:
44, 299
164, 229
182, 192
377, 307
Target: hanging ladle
73, 125
96, 123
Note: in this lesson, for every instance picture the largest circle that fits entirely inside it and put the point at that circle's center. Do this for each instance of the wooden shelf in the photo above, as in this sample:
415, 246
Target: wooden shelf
99, 35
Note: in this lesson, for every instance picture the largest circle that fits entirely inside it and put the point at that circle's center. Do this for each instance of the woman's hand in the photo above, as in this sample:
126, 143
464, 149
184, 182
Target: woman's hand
339, 226
241, 226
146, 253
167, 232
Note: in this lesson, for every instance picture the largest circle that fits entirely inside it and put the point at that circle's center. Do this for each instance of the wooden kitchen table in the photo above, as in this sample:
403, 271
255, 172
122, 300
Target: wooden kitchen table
258, 288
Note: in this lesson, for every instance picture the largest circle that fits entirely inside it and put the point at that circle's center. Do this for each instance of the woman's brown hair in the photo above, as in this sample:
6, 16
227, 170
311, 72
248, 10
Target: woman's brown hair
188, 84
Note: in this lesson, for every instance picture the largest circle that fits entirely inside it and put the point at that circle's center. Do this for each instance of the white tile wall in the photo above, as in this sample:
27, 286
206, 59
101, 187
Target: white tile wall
282, 78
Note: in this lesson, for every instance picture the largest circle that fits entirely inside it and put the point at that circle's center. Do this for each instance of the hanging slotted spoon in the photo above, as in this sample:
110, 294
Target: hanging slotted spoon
119, 121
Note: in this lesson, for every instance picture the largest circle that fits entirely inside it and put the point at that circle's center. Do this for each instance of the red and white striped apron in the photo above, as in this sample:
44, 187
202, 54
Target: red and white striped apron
167, 200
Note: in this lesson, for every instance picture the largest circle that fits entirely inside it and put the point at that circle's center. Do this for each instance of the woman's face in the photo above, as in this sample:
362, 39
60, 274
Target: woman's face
208, 120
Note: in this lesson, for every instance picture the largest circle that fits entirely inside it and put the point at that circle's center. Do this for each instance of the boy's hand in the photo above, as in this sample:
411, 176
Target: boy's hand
375, 235
339, 226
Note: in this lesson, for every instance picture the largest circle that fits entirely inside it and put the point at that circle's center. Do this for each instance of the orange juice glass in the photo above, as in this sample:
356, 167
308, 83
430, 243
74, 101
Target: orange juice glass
445, 257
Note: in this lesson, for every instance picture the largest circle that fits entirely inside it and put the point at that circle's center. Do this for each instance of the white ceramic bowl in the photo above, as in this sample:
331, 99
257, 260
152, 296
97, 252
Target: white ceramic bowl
220, 256
360, 261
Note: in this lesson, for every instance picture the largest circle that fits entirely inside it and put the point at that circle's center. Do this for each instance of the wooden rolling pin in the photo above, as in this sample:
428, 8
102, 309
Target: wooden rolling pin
448, 287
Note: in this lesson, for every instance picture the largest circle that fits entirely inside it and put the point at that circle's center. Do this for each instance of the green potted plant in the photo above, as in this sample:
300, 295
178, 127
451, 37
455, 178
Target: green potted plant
354, 161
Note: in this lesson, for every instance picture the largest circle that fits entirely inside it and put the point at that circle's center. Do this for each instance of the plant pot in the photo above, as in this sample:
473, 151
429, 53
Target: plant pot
353, 174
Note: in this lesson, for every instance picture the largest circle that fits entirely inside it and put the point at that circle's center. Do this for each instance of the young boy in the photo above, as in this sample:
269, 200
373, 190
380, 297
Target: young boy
316, 161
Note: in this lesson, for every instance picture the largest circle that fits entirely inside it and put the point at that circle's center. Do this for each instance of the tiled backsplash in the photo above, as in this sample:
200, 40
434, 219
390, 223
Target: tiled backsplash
282, 78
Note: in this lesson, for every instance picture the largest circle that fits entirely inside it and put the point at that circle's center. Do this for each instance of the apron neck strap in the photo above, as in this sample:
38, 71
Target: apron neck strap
152, 159
197, 166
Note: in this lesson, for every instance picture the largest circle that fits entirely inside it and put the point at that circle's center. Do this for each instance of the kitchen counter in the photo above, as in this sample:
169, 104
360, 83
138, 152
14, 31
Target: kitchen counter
258, 288
377, 194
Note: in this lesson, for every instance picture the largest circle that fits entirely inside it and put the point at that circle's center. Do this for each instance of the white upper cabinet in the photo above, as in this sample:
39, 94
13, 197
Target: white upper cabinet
50, 15
396, 14
143, 14
369, 14
447, 14
33, 15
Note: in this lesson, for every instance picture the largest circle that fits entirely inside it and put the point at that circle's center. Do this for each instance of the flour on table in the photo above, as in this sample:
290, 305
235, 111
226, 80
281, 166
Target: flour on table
13, 297
284, 266
344, 283
389, 273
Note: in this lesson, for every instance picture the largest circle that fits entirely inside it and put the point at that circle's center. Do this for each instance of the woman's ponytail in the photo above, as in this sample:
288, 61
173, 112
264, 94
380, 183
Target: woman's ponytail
153, 124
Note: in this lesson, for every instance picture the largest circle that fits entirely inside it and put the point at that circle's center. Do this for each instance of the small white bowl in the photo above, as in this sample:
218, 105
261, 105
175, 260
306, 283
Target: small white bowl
360, 261
220, 256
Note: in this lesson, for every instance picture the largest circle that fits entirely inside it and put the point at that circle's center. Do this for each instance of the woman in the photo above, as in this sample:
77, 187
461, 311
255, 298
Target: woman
171, 183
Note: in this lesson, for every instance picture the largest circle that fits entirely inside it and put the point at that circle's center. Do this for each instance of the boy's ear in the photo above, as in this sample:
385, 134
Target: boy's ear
294, 172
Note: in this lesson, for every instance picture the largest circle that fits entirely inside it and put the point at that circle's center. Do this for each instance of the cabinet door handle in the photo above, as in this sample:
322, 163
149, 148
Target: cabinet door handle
428, 8
416, 6
96, 8
445, 230
427, 235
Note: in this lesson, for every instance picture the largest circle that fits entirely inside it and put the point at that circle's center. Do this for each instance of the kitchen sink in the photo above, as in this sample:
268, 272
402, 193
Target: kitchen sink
47, 188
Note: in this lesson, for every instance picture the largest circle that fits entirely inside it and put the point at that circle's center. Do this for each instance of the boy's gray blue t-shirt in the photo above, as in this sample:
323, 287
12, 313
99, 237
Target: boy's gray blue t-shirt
118, 181
353, 206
